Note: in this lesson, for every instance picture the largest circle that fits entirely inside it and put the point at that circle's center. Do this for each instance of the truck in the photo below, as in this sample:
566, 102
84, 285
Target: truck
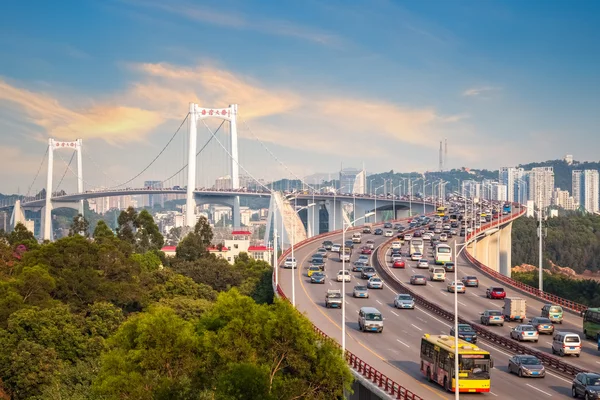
345, 254
356, 237
515, 309
333, 298
416, 245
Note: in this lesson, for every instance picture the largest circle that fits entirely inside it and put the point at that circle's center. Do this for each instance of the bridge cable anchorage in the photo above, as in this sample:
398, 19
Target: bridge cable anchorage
38, 172
155, 158
64, 173
197, 153
236, 161
276, 158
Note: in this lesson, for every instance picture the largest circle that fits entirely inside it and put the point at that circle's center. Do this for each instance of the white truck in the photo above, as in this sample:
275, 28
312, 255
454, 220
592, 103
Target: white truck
333, 298
416, 245
515, 309
356, 237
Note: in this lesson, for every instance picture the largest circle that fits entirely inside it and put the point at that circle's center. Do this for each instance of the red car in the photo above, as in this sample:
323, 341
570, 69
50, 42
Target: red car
495, 293
399, 264
366, 250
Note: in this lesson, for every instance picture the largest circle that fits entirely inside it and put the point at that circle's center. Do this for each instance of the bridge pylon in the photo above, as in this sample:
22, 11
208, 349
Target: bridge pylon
197, 113
47, 209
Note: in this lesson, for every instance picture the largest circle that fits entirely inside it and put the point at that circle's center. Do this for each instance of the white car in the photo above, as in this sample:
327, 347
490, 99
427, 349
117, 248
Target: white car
422, 263
407, 236
416, 256
427, 236
336, 248
290, 262
396, 258
388, 233
396, 245
344, 275
443, 237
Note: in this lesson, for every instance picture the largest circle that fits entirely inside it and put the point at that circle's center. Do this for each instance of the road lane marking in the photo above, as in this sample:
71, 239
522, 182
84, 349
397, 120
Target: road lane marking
494, 394
462, 304
539, 390
444, 293
379, 302
417, 327
395, 314
421, 319
403, 343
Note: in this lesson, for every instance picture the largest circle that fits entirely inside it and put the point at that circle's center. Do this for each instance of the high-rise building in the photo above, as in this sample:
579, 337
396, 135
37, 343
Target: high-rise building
577, 186
155, 199
223, 183
563, 199
541, 186
471, 188
591, 190
353, 181
514, 180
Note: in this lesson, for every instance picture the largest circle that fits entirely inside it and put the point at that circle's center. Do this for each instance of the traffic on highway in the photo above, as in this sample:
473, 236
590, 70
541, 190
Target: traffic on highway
401, 339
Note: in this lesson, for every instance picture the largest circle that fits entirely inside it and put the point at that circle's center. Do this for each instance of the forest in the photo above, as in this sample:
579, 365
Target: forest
101, 316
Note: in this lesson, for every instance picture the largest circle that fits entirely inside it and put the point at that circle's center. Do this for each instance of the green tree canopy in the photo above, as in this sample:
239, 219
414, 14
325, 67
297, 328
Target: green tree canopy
80, 226
195, 244
20, 235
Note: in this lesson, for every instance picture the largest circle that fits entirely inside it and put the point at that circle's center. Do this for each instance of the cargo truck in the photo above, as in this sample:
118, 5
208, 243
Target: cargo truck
515, 309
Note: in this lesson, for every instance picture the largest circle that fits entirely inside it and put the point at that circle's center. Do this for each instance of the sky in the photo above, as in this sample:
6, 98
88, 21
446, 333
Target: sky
319, 85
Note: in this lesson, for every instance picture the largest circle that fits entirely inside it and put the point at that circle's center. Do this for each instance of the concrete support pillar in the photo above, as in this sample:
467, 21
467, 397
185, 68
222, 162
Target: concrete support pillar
400, 214
505, 250
492, 253
313, 220
361, 209
335, 210
190, 202
481, 250
235, 213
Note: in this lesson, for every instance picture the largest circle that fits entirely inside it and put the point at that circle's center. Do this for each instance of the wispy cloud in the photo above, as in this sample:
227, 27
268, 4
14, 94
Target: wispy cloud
230, 19
479, 91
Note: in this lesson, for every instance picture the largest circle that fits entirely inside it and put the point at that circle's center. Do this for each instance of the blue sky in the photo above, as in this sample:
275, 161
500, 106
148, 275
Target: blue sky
320, 83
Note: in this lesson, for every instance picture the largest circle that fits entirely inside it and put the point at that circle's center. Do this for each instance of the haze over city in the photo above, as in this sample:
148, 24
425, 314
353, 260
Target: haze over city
313, 81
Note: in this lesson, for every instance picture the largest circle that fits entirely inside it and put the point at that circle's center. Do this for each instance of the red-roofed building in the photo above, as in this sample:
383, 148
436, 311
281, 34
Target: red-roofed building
169, 250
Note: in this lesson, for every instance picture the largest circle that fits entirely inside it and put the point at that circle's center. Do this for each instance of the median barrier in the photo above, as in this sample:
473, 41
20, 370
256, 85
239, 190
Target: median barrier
509, 344
389, 386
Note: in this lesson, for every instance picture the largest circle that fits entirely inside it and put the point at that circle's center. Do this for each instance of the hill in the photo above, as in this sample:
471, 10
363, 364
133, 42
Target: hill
562, 170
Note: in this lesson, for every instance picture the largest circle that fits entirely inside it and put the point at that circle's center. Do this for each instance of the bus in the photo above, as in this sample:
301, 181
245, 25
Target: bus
506, 208
591, 323
416, 246
443, 253
441, 211
437, 364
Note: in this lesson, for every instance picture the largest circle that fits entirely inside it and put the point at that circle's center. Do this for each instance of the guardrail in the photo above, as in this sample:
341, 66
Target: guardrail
363, 368
551, 361
516, 284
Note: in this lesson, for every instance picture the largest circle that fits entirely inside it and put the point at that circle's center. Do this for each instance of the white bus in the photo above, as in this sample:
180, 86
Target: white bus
416, 246
443, 253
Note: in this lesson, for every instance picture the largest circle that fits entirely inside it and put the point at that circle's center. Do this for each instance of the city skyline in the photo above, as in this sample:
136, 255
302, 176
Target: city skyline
66, 78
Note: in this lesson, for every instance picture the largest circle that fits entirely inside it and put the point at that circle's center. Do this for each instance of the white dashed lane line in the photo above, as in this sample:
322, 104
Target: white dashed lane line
402, 343
416, 327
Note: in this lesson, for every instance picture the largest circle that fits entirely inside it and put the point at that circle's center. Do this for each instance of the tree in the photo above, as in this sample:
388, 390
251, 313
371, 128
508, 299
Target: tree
175, 235
102, 231
212, 271
20, 235
127, 225
147, 234
80, 226
35, 286
195, 245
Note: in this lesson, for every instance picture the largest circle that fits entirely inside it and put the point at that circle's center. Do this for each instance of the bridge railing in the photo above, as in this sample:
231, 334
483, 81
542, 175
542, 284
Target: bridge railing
370, 373
516, 284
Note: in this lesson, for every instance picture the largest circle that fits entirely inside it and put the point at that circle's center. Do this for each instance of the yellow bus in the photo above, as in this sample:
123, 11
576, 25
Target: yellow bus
437, 364
441, 211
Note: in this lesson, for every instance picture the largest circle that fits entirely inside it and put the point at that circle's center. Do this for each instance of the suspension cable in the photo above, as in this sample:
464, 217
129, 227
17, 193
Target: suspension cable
38, 172
64, 173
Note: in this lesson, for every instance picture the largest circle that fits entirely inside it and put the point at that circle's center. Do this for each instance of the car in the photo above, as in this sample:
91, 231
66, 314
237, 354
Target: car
358, 266
370, 244
317, 277
458, 286
470, 281
366, 250
524, 332
367, 272
399, 263
387, 225
317, 257
416, 256
492, 317
360, 291
524, 365
344, 275
586, 384
443, 237
389, 233
378, 231
349, 243
396, 245
375, 282
290, 263
396, 257
422, 263
418, 280
465, 332
322, 251
363, 257
336, 247
495, 292
327, 244
427, 236
404, 301
542, 324
407, 236
366, 229
312, 269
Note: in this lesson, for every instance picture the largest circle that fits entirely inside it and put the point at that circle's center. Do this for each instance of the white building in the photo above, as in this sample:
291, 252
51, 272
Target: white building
569, 159
577, 186
591, 190
471, 188
223, 183
563, 199
541, 186
514, 180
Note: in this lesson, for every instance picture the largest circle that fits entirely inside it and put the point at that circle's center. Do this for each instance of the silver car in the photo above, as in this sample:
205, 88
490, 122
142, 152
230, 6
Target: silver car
524, 332
404, 301
375, 283
360, 291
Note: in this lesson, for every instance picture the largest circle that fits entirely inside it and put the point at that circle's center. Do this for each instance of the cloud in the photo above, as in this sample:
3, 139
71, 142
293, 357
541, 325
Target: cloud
478, 91
229, 19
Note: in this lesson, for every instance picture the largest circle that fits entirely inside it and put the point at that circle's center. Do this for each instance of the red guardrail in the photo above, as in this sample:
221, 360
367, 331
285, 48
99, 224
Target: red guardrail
382, 381
553, 362
516, 284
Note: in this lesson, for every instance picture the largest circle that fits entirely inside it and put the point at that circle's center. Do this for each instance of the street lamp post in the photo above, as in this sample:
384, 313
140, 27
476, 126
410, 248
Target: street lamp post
344, 280
294, 265
394, 200
375, 194
424, 186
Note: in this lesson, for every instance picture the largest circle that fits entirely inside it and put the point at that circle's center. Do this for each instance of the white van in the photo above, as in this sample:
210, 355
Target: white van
356, 237
396, 245
564, 343
437, 274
